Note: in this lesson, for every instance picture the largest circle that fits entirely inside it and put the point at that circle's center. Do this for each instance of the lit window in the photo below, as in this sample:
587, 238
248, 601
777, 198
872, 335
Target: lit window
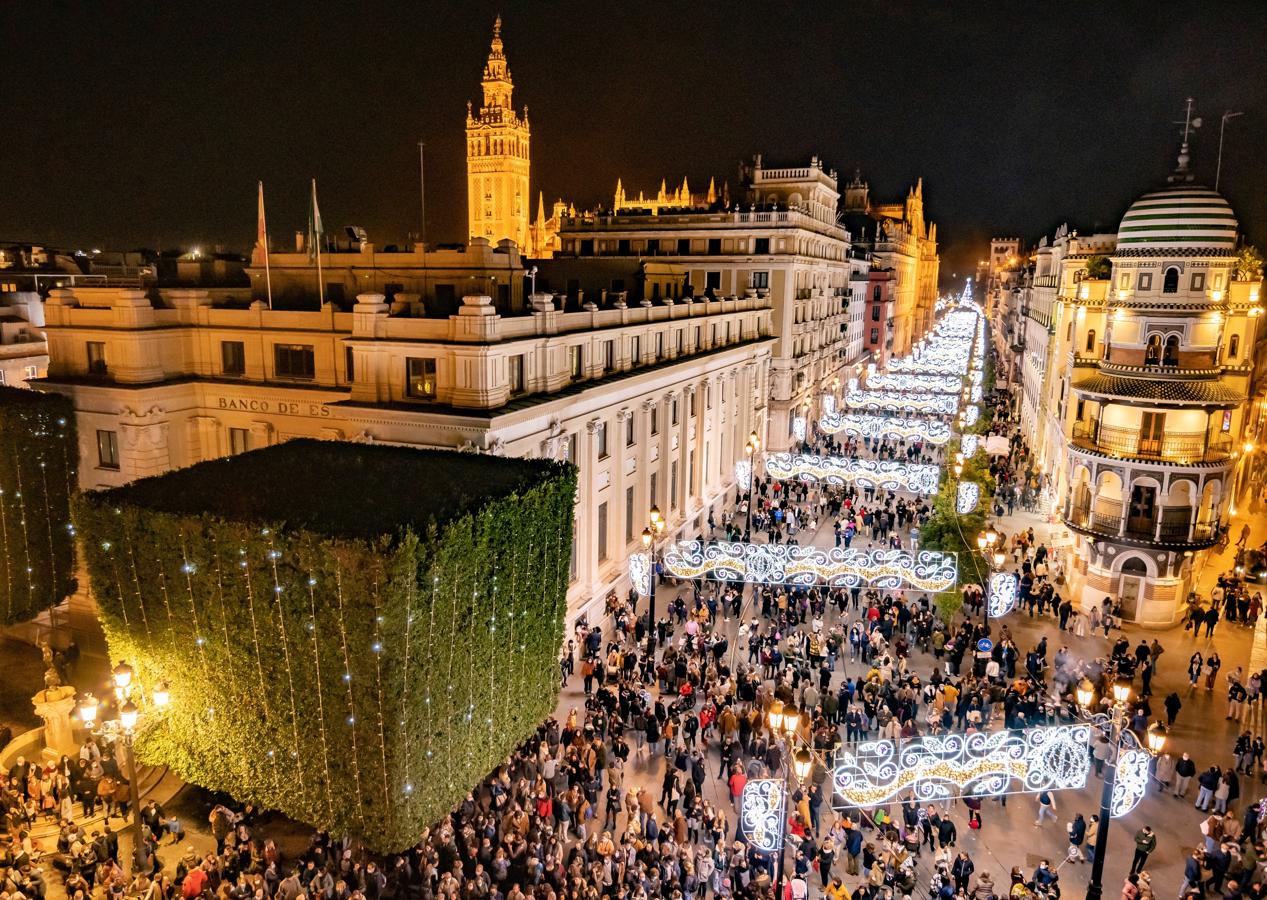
108, 449
421, 377
96, 358
239, 440
294, 361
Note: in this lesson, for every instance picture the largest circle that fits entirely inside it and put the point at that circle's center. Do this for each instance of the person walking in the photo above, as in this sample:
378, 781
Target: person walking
1173, 704
1047, 808
1145, 844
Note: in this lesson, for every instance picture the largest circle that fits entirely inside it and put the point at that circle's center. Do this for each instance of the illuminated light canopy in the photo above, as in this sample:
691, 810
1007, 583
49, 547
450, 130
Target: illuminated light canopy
829, 404
888, 474
798, 428
1003, 594
794, 564
967, 498
761, 813
907, 381
934, 431
743, 474
976, 393
936, 404
970, 445
982, 764
1131, 783
971, 414
640, 573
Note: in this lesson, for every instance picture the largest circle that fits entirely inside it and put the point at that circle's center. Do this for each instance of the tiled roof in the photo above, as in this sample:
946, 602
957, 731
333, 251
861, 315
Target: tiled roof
1164, 391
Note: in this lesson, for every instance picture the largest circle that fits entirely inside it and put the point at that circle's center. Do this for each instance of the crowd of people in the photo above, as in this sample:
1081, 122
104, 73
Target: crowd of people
635, 793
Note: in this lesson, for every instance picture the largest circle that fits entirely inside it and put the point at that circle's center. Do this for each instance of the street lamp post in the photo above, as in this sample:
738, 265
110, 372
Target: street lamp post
785, 722
655, 527
123, 729
1116, 721
751, 449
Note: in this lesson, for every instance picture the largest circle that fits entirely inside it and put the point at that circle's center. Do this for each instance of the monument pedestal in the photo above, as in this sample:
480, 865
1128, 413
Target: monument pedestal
54, 706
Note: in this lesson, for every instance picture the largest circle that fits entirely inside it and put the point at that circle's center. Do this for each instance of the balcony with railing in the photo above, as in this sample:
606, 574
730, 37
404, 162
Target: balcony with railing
1183, 448
1150, 523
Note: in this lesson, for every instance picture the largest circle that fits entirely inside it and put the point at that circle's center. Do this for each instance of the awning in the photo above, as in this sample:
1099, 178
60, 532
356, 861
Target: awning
997, 445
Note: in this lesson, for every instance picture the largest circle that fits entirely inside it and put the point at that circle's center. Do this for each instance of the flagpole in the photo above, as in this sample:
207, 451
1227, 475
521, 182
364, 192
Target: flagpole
317, 236
268, 275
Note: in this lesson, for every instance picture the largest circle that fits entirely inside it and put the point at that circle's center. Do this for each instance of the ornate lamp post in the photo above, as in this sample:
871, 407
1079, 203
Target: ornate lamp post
650, 534
1115, 722
123, 730
785, 722
751, 449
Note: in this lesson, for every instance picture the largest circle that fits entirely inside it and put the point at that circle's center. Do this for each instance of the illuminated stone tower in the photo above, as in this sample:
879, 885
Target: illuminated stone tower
497, 156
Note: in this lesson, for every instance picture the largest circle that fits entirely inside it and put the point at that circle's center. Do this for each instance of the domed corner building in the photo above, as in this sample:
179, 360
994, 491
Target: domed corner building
1160, 367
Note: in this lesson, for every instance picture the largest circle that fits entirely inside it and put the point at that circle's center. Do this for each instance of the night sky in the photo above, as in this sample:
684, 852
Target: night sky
129, 126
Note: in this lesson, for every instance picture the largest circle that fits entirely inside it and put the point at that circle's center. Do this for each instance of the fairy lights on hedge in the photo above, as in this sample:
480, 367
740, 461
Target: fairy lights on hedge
890, 475
934, 431
794, 564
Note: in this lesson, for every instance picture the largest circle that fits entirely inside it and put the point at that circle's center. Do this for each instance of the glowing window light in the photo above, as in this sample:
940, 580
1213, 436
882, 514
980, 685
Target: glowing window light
982, 764
640, 573
798, 428
934, 431
936, 404
890, 475
743, 473
906, 381
970, 444
1003, 594
793, 564
1131, 783
761, 813
967, 498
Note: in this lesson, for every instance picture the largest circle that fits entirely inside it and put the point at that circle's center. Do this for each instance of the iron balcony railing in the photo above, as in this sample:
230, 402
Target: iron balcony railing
1181, 447
1166, 524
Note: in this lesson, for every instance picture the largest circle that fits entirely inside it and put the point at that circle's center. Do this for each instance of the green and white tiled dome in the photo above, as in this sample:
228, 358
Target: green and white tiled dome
1182, 215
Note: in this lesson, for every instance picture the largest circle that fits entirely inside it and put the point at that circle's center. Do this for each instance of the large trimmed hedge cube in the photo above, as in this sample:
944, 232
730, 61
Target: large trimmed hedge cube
39, 456
354, 635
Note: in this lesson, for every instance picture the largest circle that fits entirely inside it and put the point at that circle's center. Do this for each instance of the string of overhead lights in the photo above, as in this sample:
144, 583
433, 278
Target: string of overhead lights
934, 431
838, 470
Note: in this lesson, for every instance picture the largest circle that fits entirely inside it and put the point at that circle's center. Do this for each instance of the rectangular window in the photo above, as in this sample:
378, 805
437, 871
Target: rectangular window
875, 314
1227, 421
233, 357
1124, 281
1145, 281
712, 281
629, 515
1198, 281
635, 351
653, 484
96, 358
108, 449
654, 413
294, 361
673, 485
714, 246
602, 532
673, 412
875, 335
609, 357
572, 449
1082, 408
690, 406
681, 341
516, 373
659, 346
708, 395
630, 435
600, 438
30, 372
684, 246
760, 280
622, 247
576, 362
761, 245
420, 377
690, 476
239, 440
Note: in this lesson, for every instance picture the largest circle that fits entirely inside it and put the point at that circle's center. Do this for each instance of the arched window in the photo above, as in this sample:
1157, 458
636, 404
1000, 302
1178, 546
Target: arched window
1170, 285
1171, 357
1091, 341
1233, 346
1152, 352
